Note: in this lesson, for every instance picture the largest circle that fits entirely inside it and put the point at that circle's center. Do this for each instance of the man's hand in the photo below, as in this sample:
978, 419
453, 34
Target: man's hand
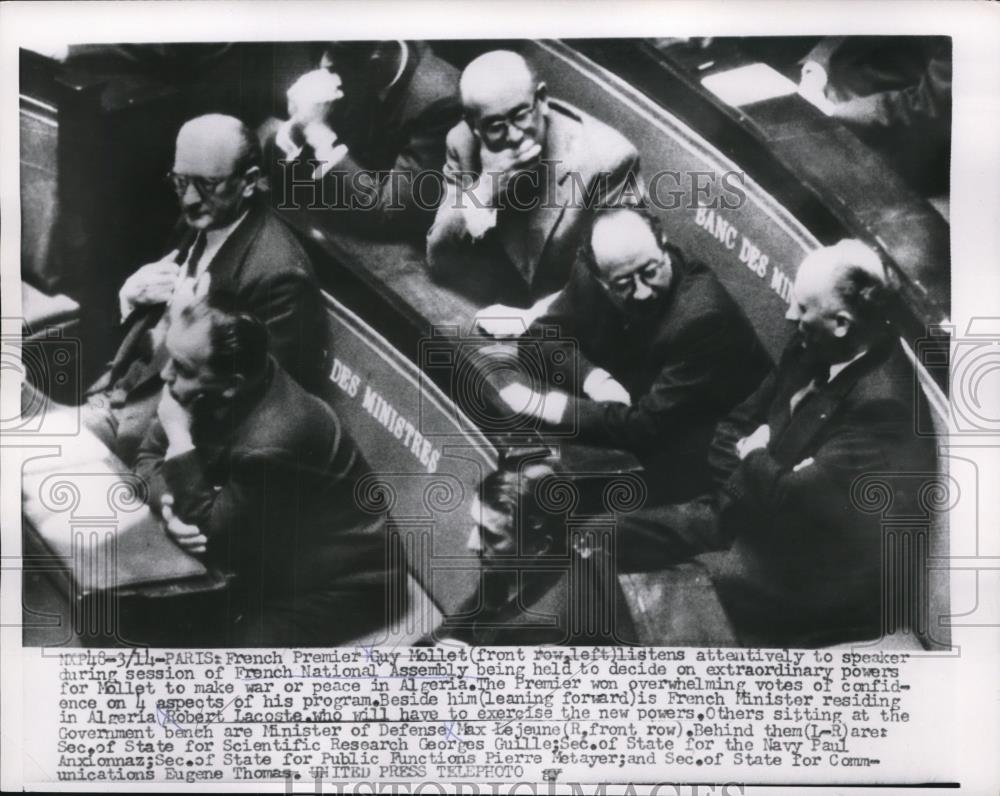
758, 439
176, 422
498, 169
812, 86
151, 284
602, 386
185, 536
312, 95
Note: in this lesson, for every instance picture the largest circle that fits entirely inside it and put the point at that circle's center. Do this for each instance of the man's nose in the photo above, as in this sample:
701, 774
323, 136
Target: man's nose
474, 543
642, 290
190, 195
514, 134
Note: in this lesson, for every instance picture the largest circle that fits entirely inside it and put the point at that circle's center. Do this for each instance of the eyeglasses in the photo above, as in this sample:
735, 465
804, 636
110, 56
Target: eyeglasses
625, 285
494, 131
205, 186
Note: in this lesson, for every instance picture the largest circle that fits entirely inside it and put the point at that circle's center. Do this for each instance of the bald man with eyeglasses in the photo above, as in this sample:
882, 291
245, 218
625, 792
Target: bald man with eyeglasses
228, 238
524, 172
661, 353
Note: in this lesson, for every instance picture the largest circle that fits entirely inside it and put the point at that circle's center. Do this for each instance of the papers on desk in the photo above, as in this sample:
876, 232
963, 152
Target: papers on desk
88, 508
748, 84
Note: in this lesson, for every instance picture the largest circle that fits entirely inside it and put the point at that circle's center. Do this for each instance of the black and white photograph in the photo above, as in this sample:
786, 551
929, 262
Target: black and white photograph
555, 411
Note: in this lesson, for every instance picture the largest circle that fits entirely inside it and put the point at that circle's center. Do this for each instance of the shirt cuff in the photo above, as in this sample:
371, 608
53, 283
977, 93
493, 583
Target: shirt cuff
554, 408
596, 377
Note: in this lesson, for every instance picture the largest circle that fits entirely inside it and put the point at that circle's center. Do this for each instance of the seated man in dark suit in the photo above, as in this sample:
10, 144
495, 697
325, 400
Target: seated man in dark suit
660, 353
255, 474
367, 124
229, 236
805, 567
537, 586
523, 173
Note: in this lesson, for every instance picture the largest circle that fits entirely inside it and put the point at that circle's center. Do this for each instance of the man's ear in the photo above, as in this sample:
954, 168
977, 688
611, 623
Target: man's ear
542, 96
470, 121
251, 177
843, 321
235, 386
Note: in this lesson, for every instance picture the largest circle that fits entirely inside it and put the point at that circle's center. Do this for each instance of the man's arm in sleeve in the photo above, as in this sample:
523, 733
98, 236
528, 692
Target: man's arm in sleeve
451, 239
723, 458
238, 505
819, 484
699, 362
149, 464
623, 186
928, 100
289, 304
563, 316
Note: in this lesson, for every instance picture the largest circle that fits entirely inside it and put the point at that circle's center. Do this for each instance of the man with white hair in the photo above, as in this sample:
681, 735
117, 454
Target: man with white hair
523, 173
225, 236
805, 566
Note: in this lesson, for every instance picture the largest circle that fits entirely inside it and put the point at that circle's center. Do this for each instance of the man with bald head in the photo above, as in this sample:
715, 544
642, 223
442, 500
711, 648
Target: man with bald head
524, 172
805, 567
228, 238
662, 353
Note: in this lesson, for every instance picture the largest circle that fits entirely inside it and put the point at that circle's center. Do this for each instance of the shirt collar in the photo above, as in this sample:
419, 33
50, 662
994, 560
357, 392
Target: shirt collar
835, 370
216, 237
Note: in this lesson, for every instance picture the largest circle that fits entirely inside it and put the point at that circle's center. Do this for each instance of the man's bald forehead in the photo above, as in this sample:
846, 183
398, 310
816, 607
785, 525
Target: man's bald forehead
490, 70
618, 230
215, 138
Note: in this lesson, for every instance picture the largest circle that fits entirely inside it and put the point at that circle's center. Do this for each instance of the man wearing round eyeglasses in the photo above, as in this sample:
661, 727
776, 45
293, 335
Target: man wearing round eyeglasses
228, 238
523, 173
658, 353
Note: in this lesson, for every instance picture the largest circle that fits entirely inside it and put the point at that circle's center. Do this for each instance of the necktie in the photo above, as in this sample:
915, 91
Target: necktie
194, 256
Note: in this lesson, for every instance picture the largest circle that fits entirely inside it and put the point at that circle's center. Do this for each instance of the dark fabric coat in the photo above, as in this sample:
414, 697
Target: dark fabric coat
685, 368
806, 565
271, 484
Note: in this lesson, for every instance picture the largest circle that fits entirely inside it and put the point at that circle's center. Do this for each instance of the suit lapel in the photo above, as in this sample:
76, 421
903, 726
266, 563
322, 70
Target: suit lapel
524, 235
563, 144
229, 259
144, 319
812, 416
225, 267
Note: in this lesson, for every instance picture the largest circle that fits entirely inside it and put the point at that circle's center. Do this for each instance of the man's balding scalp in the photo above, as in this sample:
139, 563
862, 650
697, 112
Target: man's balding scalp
226, 134
491, 67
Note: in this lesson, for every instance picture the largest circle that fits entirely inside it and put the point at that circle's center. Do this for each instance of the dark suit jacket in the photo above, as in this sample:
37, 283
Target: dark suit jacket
584, 606
805, 567
529, 253
390, 142
266, 267
685, 369
271, 484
